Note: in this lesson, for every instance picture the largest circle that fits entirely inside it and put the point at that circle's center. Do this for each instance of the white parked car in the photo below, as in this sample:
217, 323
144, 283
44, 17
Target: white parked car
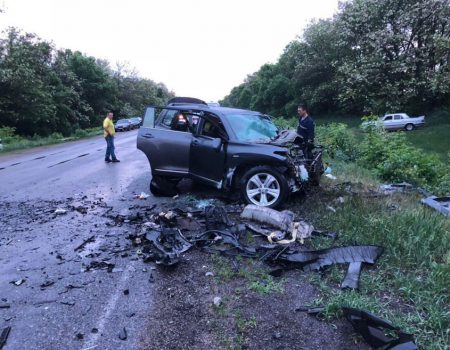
397, 121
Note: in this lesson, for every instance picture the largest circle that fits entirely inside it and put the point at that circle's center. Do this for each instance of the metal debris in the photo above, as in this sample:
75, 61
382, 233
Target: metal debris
60, 211
395, 187
441, 204
374, 330
82, 245
18, 282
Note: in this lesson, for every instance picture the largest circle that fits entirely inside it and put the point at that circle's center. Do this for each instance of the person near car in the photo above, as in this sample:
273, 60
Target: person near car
306, 128
109, 132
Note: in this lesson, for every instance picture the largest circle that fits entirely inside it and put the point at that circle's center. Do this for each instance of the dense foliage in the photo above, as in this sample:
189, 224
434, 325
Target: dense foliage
372, 56
44, 90
387, 154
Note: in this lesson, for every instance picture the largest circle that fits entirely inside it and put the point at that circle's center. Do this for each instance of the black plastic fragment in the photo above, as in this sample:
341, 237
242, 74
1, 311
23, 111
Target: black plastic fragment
82, 245
351, 279
168, 245
216, 218
373, 329
123, 334
4, 336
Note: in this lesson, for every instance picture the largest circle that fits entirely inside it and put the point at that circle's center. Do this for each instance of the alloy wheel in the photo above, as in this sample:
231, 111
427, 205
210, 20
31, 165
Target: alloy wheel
263, 189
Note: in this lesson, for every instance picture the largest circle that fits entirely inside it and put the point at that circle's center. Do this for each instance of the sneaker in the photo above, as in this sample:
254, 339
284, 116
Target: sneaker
116, 161
108, 160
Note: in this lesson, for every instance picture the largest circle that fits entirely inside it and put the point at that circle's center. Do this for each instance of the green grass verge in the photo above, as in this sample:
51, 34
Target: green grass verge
409, 284
17, 142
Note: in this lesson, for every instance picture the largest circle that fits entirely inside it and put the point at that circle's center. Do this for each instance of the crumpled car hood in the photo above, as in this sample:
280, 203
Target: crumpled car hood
286, 137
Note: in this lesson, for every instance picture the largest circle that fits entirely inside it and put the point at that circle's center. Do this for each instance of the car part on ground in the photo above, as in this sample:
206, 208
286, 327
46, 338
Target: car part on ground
230, 149
441, 204
4, 336
214, 232
374, 330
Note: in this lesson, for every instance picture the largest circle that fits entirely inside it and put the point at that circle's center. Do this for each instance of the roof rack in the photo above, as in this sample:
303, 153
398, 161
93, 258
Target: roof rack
186, 100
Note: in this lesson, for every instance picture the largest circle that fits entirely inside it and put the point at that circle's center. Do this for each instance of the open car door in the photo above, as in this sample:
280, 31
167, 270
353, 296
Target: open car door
208, 151
165, 138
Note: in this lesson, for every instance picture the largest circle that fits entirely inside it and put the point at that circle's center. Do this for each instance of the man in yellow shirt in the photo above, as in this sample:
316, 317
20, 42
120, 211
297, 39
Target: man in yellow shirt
109, 132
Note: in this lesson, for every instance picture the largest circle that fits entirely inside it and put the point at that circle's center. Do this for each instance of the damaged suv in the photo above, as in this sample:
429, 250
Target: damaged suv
235, 150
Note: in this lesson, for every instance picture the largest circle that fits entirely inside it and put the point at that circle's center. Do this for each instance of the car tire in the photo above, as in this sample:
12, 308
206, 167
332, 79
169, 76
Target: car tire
409, 127
264, 186
162, 187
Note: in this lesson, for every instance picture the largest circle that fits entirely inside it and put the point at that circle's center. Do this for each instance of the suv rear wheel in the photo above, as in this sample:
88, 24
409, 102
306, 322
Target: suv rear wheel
264, 186
162, 186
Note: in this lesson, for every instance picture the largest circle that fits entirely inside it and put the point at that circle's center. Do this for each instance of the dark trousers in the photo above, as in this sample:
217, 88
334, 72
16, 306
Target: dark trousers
110, 147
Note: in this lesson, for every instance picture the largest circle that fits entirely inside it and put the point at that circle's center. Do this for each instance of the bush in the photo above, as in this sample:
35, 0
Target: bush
80, 133
393, 159
7, 135
285, 123
339, 141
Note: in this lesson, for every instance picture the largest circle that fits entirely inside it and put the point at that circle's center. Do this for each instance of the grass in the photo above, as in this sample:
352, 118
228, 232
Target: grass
252, 271
409, 284
17, 142
433, 138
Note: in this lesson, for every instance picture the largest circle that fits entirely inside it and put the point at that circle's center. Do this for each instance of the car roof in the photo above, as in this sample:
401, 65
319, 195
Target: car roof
213, 109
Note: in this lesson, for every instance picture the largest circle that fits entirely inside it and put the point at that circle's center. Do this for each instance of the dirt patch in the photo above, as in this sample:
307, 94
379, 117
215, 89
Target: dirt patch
256, 310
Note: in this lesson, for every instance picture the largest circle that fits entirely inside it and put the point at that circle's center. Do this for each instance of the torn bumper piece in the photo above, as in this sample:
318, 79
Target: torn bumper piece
373, 329
318, 259
441, 204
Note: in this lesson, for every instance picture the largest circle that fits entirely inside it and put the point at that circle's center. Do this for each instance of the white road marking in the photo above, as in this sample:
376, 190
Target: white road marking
110, 306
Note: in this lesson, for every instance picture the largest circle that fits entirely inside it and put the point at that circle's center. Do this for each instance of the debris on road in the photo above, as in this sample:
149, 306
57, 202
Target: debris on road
123, 334
82, 245
4, 336
60, 211
143, 195
331, 177
374, 330
441, 204
100, 265
46, 284
164, 245
18, 282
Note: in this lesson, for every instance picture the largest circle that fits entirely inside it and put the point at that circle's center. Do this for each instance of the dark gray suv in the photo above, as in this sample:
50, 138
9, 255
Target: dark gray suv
235, 150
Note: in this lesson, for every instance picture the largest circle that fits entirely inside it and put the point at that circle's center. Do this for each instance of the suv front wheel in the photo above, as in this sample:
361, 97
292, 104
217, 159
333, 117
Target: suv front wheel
264, 186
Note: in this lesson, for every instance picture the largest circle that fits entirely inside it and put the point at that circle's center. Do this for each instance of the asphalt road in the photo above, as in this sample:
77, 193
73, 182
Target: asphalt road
61, 303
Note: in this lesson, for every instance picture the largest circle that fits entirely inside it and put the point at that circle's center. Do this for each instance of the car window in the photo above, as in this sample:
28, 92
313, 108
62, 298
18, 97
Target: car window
178, 121
389, 117
397, 117
252, 127
212, 128
168, 117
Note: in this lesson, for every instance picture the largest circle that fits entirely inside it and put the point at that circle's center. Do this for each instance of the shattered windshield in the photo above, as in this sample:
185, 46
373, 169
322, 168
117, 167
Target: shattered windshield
253, 127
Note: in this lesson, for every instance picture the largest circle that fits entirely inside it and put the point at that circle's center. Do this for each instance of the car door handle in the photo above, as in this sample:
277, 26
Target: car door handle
148, 136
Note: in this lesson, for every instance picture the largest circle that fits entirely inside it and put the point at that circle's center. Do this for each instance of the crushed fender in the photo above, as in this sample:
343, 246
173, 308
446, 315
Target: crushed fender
373, 329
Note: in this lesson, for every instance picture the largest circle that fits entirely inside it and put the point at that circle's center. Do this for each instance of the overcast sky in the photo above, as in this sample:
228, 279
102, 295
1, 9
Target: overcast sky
199, 48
